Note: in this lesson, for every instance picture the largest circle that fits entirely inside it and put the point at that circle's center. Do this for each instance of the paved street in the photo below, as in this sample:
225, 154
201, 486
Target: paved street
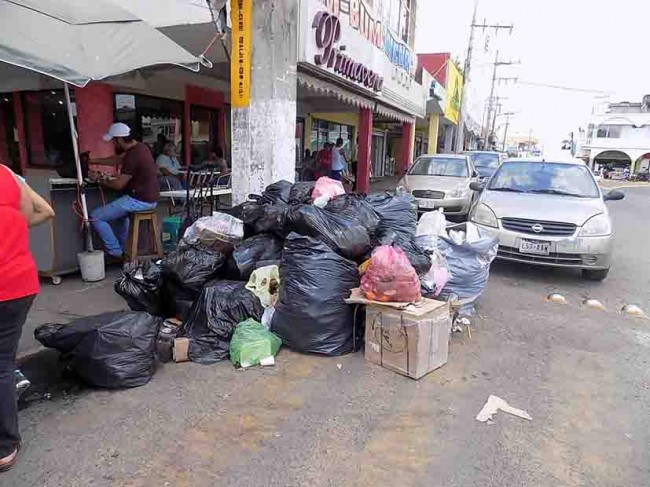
583, 375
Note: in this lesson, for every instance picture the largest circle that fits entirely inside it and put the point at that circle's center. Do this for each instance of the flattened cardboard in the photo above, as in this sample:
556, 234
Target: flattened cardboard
421, 308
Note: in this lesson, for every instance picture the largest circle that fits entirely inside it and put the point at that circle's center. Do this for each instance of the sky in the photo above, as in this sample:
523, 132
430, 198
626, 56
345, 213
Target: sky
581, 44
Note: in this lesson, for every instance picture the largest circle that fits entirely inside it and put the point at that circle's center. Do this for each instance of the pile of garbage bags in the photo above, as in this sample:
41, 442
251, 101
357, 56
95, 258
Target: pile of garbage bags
276, 269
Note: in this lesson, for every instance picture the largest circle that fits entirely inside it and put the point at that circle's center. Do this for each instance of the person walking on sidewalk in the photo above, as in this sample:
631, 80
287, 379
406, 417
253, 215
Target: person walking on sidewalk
138, 179
20, 207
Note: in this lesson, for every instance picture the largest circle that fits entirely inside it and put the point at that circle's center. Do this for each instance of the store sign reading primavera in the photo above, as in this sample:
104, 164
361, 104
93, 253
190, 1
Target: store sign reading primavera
328, 34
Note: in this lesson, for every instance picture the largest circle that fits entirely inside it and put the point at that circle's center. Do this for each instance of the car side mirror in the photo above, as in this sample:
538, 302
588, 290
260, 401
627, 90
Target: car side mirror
476, 186
614, 195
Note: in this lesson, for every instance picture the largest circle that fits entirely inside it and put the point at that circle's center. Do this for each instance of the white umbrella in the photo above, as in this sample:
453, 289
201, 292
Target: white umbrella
77, 41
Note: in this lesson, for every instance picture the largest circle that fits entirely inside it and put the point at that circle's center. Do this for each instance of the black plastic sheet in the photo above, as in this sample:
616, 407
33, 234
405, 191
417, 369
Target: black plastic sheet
140, 285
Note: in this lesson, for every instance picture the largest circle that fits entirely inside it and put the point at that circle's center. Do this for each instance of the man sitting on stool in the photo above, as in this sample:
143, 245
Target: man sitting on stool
138, 179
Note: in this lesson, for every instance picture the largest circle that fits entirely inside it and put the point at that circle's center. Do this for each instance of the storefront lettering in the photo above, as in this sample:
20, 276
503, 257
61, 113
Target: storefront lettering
328, 34
361, 18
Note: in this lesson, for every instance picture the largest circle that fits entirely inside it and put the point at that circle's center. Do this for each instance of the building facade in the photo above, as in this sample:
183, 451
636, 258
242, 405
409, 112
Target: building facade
320, 70
619, 136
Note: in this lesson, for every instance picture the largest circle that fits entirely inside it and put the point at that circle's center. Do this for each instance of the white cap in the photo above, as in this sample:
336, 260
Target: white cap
117, 130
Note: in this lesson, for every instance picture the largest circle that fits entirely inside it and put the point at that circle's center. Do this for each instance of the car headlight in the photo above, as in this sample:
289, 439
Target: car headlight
483, 215
597, 226
459, 192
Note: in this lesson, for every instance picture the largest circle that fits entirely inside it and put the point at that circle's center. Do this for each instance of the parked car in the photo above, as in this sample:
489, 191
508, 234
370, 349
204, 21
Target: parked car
485, 162
441, 181
549, 213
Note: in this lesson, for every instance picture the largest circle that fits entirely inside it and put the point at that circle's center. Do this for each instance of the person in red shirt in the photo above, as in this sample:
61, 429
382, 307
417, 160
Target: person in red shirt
20, 208
324, 160
138, 181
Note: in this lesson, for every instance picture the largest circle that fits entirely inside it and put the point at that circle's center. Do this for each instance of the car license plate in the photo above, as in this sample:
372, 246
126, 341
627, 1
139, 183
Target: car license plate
534, 247
427, 203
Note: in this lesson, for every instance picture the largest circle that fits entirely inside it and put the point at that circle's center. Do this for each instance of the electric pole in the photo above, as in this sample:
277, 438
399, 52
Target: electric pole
505, 133
497, 63
460, 136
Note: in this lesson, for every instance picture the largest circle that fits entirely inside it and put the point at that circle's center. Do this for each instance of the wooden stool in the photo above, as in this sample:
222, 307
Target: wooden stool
134, 236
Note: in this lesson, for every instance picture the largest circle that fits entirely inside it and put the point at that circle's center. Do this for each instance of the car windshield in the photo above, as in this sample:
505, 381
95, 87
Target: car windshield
484, 159
545, 178
440, 166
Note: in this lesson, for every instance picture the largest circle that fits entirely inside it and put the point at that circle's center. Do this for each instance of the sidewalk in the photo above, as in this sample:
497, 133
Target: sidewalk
384, 184
70, 300
613, 184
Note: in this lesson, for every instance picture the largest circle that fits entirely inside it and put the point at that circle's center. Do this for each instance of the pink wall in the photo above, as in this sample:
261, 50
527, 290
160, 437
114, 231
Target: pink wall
364, 150
94, 116
406, 149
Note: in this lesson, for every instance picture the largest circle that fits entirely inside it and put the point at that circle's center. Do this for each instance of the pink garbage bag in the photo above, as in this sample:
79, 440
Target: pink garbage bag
390, 277
328, 188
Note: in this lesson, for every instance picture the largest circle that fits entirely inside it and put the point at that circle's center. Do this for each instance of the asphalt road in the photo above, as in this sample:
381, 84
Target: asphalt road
583, 376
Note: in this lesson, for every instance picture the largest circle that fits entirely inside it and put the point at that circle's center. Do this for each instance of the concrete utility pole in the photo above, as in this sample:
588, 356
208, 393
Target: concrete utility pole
505, 133
460, 137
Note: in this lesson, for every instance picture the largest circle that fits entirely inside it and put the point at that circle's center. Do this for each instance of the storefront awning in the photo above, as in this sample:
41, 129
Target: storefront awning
393, 114
322, 87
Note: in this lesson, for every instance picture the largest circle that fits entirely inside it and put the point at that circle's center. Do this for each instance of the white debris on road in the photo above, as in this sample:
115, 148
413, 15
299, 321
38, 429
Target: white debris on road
494, 404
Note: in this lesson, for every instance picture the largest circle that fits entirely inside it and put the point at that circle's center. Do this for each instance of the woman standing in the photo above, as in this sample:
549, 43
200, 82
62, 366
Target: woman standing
20, 207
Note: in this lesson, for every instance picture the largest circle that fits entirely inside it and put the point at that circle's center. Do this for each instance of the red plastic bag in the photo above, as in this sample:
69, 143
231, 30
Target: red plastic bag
329, 188
390, 277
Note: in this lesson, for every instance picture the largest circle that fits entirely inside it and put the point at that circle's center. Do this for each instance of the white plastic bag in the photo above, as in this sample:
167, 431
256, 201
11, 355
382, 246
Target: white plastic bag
432, 223
215, 231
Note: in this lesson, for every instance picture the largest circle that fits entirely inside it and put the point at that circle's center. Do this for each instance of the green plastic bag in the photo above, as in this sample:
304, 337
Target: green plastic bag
251, 343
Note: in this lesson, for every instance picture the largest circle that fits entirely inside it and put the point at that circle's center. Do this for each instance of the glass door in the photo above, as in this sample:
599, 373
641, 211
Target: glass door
378, 154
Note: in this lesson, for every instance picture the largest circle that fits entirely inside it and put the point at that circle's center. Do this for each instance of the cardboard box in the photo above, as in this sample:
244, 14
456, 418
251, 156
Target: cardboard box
412, 341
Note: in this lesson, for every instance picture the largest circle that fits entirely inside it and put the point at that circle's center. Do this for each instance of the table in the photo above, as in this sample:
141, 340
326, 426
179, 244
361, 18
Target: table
195, 193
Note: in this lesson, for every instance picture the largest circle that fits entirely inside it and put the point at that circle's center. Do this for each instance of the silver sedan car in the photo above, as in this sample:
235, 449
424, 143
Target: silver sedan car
441, 181
548, 213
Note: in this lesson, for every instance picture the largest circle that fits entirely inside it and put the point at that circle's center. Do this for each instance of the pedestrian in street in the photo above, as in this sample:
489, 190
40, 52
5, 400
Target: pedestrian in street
339, 161
138, 180
20, 208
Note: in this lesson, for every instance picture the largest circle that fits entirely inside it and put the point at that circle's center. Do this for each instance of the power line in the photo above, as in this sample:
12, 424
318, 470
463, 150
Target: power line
564, 88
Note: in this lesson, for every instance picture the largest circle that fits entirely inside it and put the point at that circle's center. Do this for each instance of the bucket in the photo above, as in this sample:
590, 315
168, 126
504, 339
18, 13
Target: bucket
91, 265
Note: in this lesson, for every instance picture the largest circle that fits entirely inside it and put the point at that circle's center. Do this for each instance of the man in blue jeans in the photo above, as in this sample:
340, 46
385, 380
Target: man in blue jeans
138, 180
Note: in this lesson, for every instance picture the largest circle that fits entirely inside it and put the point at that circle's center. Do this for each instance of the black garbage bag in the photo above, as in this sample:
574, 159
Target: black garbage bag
248, 212
176, 301
140, 285
347, 236
191, 266
264, 248
277, 192
301, 192
311, 315
397, 213
355, 207
272, 220
112, 350
214, 316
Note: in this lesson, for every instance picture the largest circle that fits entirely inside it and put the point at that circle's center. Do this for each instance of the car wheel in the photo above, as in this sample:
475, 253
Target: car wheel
595, 274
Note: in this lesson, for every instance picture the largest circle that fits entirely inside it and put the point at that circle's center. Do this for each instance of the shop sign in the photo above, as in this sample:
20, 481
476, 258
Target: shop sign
454, 92
327, 29
362, 19
241, 12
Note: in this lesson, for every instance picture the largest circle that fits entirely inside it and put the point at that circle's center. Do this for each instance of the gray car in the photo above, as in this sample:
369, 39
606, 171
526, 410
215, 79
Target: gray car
548, 213
441, 181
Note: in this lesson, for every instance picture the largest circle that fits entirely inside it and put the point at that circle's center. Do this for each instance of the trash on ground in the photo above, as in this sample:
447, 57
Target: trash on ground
210, 325
181, 350
397, 213
140, 285
252, 344
327, 188
412, 341
311, 315
219, 232
469, 264
556, 298
112, 350
390, 277
494, 404
593, 304
633, 310
257, 251
265, 284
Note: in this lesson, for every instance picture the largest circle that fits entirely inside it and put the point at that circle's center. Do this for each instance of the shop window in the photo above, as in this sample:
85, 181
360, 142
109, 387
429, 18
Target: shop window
47, 128
323, 131
151, 119
9, 154
609, 132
